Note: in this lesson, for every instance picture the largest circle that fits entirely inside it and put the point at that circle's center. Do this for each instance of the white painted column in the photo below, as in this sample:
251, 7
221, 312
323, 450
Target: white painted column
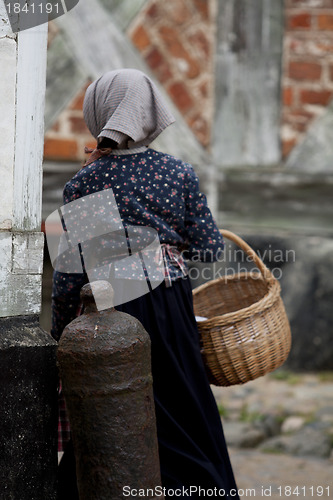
22, 87
8, 56
28, 375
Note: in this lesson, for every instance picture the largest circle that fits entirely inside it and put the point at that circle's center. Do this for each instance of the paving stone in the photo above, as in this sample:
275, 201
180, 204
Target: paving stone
271, 425
234, 431
256, 470
294, 419
243, 435
292, 424
306, 442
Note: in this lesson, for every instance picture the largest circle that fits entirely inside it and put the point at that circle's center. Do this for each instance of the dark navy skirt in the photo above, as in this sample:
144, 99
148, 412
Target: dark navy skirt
192, 447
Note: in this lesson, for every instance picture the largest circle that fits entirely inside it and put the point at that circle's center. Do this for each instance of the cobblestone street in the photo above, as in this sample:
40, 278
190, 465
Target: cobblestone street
258, 473
279, 429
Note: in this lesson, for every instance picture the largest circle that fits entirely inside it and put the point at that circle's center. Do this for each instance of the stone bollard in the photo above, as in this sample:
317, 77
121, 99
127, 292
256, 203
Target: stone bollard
104, 362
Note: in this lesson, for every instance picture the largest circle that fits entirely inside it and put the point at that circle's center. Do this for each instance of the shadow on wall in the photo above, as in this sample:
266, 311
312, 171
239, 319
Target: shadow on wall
45, 317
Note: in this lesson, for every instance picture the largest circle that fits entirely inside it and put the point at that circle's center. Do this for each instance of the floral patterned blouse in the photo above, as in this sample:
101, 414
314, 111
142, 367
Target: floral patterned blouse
151, 189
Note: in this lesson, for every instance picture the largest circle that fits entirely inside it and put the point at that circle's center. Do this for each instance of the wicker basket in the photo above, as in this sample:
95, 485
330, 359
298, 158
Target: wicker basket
247, 333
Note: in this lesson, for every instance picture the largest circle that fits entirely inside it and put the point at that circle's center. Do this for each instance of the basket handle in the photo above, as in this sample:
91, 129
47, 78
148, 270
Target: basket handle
249, 251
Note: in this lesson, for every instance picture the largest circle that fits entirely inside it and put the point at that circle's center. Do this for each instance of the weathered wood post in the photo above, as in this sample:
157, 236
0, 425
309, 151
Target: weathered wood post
247, 90
28, 457
104, 360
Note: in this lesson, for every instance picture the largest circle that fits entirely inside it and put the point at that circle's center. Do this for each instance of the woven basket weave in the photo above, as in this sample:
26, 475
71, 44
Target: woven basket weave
247, 333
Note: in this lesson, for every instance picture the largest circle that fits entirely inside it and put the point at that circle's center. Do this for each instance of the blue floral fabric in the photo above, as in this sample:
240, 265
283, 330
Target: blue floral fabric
151, 189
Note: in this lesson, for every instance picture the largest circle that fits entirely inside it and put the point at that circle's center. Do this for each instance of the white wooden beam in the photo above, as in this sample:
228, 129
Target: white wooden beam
22, 88
248, 69
7, 118
29, 136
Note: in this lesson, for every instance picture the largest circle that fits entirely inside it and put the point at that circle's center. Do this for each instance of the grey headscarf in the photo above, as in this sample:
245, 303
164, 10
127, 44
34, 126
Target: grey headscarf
125, 106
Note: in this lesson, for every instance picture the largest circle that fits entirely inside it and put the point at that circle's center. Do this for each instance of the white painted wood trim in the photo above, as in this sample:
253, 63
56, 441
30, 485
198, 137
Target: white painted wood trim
29, 136
7, 117
5, 27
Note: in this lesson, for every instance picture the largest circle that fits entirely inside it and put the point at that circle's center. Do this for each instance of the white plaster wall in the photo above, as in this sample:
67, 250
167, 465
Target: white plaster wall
20, 273
5, 29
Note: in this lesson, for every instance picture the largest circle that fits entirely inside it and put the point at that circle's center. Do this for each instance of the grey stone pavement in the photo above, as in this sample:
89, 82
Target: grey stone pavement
279, 430
262, 475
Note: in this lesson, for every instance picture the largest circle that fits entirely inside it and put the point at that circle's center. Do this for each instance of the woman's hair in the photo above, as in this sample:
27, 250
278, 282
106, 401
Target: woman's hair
105, 142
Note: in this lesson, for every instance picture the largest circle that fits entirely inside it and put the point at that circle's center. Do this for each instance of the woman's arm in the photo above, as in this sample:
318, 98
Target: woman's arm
66, 286
202, 234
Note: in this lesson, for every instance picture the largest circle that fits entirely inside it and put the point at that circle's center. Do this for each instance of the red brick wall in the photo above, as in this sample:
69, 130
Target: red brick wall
176, 39
307, 81
66, 140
